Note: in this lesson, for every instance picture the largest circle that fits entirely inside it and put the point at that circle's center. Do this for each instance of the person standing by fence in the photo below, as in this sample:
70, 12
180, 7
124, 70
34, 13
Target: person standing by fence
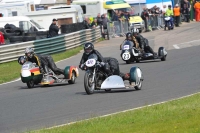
53, 29
145, 17
197, 10
177, 14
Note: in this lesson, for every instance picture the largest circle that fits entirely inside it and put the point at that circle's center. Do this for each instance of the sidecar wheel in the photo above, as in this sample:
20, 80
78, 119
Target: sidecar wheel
108, 90
89, 87
163, 58
139, 86
73, 78
30, 84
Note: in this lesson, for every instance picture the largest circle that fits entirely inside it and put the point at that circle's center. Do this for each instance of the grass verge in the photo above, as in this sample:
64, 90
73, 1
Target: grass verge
179, 116
11, 70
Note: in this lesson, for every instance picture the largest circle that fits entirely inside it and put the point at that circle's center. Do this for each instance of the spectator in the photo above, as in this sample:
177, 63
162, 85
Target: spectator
99, 20
192, 10
94, 23
115, 16
187, 16
197, 11
145, 17
2, 41
85, 23
90, 24
53, 29
164, 10
116, 20
104, 23
177, 14
185, 12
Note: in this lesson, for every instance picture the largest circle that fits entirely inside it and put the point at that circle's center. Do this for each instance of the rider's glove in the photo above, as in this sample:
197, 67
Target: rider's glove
81, 66
102, 63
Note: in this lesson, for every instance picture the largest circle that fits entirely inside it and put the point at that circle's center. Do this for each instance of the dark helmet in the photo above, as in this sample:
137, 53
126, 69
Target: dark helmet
29, 52
88, 48
169, 6
129, 36
21, 60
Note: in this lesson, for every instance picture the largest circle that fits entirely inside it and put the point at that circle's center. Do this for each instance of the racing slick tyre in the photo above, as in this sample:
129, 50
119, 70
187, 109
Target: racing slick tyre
108, 90
89, 86
30, 84
73, 78
139, 86
128, 61
163, 58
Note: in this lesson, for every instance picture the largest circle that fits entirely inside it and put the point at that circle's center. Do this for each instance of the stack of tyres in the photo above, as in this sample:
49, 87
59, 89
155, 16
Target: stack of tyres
13, 33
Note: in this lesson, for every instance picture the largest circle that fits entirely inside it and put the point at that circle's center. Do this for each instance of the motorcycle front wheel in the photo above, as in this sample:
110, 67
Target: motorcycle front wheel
88, 83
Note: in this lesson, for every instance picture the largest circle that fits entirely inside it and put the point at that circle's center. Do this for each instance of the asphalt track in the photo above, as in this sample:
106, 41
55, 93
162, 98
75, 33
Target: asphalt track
23, 109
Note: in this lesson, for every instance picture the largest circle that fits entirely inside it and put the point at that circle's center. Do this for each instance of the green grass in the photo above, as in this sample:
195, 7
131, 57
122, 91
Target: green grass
11, 70
180, 116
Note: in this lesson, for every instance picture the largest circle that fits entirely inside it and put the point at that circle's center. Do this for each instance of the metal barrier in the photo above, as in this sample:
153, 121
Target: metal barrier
155, 22
117, 28
51, 45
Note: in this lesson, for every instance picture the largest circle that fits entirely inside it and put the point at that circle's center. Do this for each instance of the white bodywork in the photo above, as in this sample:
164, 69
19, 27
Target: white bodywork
113, 82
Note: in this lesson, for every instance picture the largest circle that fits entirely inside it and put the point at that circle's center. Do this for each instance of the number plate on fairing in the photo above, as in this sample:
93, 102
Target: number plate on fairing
90, 62
126, 47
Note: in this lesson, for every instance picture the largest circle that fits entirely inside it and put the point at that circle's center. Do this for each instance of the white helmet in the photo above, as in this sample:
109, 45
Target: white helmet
134, 30
29, 52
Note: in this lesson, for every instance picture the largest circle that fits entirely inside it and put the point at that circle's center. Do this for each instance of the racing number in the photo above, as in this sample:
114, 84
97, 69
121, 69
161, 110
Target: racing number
90, 62
126, 56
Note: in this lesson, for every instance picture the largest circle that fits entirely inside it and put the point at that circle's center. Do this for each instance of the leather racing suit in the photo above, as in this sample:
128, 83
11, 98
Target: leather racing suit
45, 61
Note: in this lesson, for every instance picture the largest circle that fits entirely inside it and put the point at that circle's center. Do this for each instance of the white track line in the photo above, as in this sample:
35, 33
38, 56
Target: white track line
176, 47
123, 111
10, 81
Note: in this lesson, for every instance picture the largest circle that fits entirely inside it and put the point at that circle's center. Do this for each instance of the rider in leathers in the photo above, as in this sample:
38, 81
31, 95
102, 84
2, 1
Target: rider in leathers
143, 42
43, 61
110, 65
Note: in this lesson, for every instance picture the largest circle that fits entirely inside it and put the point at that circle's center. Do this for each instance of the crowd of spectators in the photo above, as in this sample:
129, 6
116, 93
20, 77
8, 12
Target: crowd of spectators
190, 10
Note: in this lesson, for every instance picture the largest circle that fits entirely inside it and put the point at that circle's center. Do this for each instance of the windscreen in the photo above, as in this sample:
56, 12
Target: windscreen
127, 45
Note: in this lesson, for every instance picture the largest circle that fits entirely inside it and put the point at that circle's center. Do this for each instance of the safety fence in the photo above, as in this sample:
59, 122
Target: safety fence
117, 28
50, 45
155, 22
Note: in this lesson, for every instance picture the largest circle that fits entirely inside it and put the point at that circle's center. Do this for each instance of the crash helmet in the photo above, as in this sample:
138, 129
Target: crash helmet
134, 31
29, 52
129, 36
21, 60
169, 6
88, 48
